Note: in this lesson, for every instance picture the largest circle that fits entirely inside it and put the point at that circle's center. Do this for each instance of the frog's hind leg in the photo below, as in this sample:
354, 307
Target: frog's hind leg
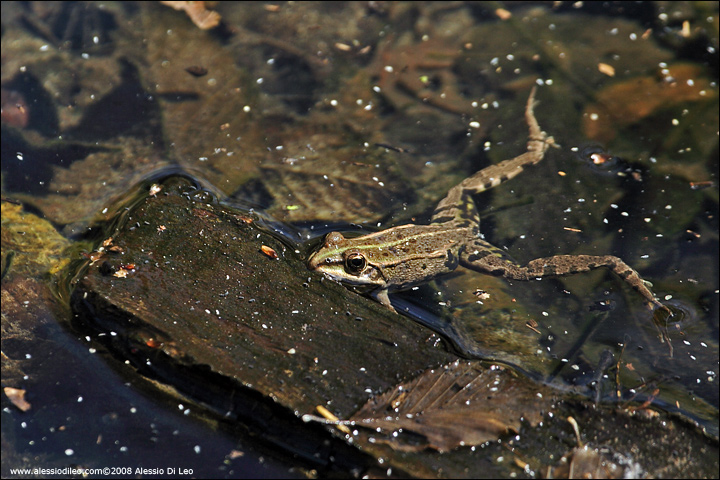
488, 259
458, 206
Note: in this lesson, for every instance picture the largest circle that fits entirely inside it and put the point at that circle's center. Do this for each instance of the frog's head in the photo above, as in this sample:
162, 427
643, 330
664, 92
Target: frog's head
344, 260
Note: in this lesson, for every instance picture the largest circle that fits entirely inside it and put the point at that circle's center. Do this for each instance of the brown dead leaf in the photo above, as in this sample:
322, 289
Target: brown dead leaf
632, 100
461, 404
321, 189
17, 397
203, 18
269, 252
420, 75
608, 70
503, 14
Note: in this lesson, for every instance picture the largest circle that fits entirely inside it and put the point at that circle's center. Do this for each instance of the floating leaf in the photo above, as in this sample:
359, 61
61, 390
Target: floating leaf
461, 404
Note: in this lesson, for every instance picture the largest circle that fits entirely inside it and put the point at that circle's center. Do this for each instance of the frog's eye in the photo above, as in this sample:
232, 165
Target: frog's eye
355, 263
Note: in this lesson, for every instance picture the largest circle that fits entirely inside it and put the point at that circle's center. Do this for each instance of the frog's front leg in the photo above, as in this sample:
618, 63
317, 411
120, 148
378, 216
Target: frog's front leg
381, 295
486, 258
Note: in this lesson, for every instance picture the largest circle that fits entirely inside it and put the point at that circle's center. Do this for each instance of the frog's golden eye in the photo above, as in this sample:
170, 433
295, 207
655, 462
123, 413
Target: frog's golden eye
355, 262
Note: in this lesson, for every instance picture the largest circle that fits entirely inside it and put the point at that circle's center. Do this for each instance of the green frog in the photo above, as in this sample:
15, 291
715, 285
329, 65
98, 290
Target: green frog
401, 257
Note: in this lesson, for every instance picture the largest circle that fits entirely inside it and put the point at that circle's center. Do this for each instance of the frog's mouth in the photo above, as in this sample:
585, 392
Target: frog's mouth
355, 281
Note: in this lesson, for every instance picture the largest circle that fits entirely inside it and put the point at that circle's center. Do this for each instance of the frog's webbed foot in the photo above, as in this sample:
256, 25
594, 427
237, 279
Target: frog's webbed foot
661, 322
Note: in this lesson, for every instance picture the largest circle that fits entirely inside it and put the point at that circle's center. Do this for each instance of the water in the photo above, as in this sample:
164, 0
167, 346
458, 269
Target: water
289, 118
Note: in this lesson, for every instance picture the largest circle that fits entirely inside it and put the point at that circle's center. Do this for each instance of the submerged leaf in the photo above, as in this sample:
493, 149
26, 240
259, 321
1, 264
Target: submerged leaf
632, 100
461, 404
203, 18
17, 397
